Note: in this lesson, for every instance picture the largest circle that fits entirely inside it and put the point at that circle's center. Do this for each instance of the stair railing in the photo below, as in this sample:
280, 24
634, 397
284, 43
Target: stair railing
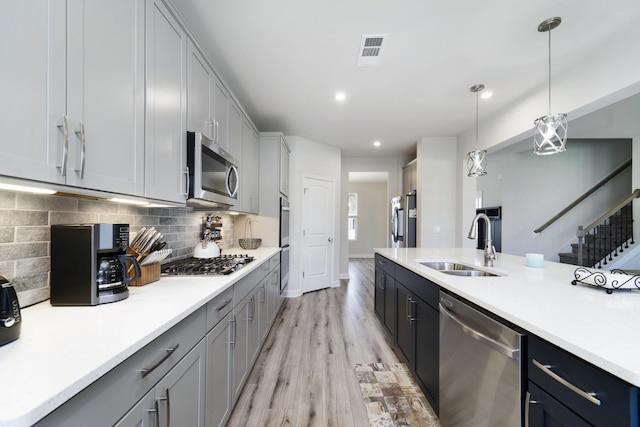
586, 194
607, 235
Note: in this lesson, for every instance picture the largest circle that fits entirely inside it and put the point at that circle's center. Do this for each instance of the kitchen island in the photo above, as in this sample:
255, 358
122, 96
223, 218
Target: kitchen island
63, 350
585, 321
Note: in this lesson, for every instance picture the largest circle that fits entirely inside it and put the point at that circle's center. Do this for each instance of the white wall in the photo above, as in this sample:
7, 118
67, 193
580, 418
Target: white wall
436, 192
532, 189
309, 158
393, 167
372, 227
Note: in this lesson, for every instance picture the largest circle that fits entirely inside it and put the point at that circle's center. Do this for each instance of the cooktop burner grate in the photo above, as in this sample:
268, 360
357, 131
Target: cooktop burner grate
218, 266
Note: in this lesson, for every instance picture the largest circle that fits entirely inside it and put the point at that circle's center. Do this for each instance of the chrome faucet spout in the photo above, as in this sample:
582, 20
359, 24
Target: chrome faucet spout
489, 249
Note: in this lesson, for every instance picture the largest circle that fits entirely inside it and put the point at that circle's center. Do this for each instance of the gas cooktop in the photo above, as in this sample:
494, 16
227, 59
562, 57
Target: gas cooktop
218, 266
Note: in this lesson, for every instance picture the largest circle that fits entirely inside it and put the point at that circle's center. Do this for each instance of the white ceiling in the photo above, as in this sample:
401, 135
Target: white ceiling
285, 59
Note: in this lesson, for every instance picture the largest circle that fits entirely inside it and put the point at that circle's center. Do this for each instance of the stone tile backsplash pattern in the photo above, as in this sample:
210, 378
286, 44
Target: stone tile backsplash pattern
25, 221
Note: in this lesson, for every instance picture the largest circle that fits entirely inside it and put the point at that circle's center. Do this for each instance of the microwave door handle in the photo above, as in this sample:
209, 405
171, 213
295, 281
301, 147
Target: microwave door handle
232, 170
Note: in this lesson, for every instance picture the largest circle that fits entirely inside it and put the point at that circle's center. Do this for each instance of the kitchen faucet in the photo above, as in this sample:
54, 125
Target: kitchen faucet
489, 249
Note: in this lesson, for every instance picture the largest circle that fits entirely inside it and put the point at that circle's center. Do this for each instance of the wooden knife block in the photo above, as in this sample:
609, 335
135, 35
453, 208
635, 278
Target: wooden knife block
150, 273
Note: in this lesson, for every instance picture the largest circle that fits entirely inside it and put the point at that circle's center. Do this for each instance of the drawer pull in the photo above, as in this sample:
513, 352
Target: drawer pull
590, 396
224, 304
170, 351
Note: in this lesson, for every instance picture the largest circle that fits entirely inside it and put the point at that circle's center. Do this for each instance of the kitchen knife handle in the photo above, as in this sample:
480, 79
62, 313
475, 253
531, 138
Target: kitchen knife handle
83, 150
170, 351
65, 147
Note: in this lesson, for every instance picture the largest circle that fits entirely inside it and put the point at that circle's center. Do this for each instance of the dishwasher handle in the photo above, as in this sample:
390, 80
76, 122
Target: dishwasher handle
513, 353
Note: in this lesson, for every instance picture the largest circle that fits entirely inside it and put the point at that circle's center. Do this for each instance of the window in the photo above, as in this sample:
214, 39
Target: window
353, 216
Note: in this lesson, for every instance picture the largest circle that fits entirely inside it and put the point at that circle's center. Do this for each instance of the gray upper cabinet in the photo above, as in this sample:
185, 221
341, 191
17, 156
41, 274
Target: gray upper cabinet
220, 114
82, 123
410, 177
274, 172
34, 63
199, 91
234, 146
249, 169
166, 116
284, 168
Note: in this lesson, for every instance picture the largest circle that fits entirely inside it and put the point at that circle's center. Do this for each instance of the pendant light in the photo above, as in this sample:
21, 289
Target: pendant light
477, 159
550, 135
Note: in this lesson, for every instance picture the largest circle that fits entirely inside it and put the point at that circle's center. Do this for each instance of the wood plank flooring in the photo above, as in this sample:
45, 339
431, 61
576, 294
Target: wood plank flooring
304, 374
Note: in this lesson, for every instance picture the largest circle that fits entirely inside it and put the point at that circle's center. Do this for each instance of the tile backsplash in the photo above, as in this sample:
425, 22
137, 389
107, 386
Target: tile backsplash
25, 221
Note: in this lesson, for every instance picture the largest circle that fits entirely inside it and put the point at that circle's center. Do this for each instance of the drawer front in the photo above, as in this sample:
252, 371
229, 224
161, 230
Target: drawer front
242, 288
571, 381
218, 307
274, 261
118, 390
425, 289
385, 265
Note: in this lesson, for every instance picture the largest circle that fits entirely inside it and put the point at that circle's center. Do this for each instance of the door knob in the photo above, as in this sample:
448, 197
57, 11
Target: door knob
330, 239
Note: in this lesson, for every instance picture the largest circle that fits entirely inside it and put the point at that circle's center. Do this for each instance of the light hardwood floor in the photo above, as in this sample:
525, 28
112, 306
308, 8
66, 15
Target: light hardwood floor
304, 374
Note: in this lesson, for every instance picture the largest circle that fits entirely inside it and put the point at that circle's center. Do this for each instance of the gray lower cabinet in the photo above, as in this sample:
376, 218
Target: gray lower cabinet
178, 399
181, 378
218, 384
171, 365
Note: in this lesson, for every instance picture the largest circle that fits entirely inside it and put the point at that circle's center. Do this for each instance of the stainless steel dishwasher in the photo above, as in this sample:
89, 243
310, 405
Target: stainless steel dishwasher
480, 368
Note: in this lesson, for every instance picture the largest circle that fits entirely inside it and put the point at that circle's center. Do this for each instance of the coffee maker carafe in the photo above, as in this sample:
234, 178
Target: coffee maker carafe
89, 264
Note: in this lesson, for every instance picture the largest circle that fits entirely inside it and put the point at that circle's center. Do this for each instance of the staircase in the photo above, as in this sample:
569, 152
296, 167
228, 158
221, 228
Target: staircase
603, 241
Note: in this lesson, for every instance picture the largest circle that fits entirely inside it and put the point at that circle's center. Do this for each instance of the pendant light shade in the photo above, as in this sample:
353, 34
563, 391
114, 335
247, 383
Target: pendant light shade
550, 136
477, 159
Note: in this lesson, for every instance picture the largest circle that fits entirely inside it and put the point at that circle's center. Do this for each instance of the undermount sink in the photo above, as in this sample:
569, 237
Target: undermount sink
457, 269
468, 273
446, 265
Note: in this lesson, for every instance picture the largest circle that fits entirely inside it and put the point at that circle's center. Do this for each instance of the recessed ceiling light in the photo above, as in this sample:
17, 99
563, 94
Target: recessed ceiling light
341, 96
377, 144
486, 95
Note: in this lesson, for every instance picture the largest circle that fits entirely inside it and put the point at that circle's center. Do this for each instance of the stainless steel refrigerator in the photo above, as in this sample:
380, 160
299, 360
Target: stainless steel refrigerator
404, 215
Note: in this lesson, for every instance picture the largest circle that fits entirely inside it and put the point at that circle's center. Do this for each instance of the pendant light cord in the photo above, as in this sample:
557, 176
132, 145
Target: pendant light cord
477, 96
549, 71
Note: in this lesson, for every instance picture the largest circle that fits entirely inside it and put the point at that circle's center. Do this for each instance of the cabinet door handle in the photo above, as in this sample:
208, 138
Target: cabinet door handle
252, 301
590, 396
83, 150
527, 408
232, 333
408, 307
157, 413
168, 409
65, 148
170, 351
224, 304
186, 173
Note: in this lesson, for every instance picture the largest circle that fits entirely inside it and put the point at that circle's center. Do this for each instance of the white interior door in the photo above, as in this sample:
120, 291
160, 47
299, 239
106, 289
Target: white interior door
317, 234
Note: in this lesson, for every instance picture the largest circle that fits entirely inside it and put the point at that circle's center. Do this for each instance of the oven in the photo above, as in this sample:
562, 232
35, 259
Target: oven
284, 269
284, 244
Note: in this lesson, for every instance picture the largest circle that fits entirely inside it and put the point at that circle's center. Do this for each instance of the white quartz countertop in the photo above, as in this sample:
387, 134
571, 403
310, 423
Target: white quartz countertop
61, 350
586, 321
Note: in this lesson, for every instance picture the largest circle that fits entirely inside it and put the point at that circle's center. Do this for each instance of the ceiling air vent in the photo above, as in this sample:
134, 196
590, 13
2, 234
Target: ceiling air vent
370, 50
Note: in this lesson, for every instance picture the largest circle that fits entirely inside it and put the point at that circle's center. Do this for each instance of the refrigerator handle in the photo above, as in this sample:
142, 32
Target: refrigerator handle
400, 224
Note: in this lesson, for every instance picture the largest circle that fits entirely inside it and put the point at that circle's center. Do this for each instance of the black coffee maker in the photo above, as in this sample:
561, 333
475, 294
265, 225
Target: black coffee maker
10, 319
89, 264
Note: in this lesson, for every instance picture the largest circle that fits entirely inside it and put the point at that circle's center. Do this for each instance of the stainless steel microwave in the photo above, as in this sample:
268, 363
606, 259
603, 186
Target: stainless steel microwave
213, 173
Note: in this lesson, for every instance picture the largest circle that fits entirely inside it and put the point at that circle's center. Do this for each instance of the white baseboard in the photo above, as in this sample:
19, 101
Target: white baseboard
344, 277
360, 255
